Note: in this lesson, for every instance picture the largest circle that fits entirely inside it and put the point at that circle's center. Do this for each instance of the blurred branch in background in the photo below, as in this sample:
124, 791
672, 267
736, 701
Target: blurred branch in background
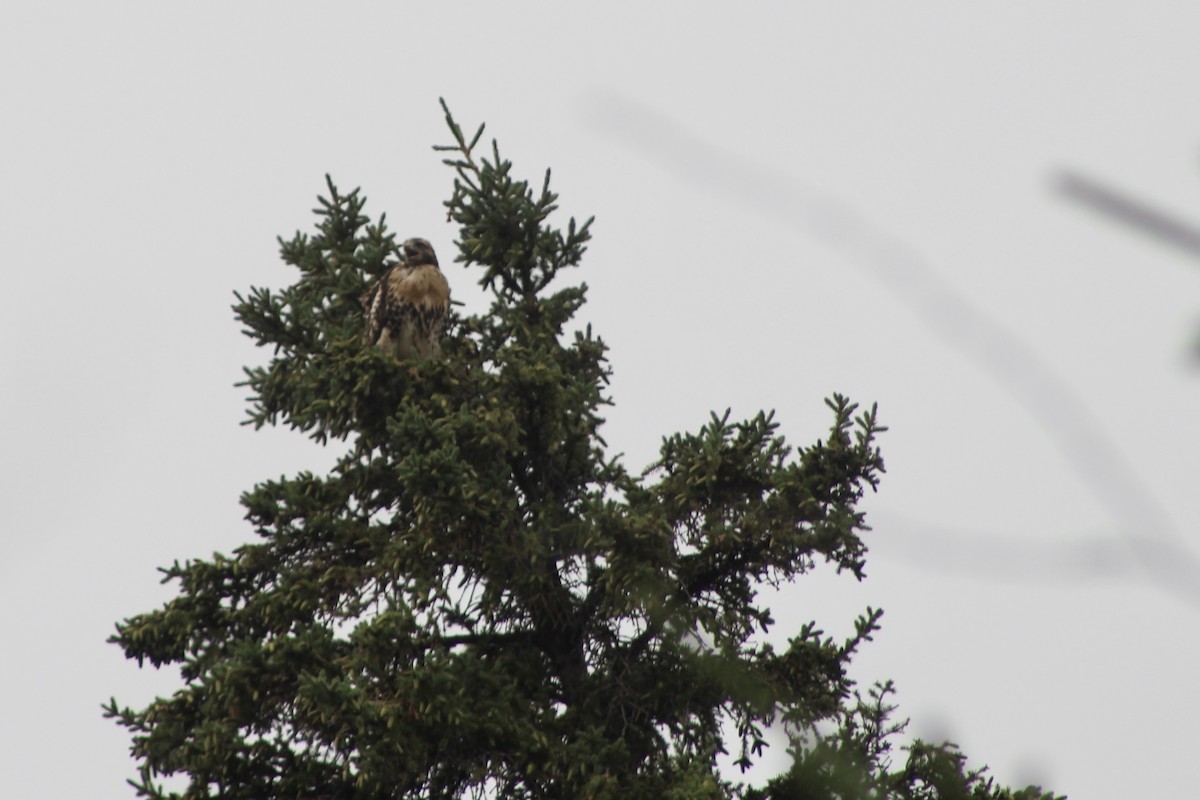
1004, 557
1149, 540
1134, 213
1120, 207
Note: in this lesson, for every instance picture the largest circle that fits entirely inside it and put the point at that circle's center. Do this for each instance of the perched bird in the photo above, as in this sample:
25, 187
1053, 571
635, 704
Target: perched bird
408, 306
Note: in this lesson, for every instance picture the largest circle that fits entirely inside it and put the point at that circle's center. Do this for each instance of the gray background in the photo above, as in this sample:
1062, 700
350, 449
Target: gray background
791, 199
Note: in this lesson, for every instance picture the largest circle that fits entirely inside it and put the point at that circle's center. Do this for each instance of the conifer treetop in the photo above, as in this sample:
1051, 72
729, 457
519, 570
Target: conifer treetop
478, 600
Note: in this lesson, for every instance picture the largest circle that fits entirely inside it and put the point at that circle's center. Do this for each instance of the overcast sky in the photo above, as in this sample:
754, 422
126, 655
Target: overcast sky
790, 199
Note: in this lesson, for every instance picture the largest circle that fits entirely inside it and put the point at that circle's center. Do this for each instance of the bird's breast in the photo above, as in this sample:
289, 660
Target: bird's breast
420, 286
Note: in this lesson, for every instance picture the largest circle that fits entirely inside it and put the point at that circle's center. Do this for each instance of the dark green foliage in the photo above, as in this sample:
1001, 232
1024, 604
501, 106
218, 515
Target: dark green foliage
477, 600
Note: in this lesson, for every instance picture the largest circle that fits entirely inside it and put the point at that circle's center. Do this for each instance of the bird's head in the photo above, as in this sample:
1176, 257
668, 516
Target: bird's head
418, 252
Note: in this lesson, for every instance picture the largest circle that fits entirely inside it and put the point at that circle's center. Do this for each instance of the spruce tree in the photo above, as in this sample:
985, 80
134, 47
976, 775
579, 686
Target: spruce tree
478, 600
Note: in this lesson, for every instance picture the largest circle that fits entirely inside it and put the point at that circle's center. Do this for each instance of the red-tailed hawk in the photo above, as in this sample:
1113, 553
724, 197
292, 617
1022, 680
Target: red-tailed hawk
407, 307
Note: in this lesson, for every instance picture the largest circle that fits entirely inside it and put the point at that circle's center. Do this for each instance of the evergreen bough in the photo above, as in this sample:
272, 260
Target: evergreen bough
478, 601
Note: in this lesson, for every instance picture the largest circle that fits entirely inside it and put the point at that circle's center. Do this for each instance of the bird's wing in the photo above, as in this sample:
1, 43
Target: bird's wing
377, 303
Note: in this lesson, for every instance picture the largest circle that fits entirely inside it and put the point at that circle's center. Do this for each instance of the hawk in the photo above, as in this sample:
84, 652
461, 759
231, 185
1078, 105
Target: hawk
408, 306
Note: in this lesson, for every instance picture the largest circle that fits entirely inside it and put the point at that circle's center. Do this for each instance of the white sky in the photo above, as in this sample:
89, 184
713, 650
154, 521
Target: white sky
791, 200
